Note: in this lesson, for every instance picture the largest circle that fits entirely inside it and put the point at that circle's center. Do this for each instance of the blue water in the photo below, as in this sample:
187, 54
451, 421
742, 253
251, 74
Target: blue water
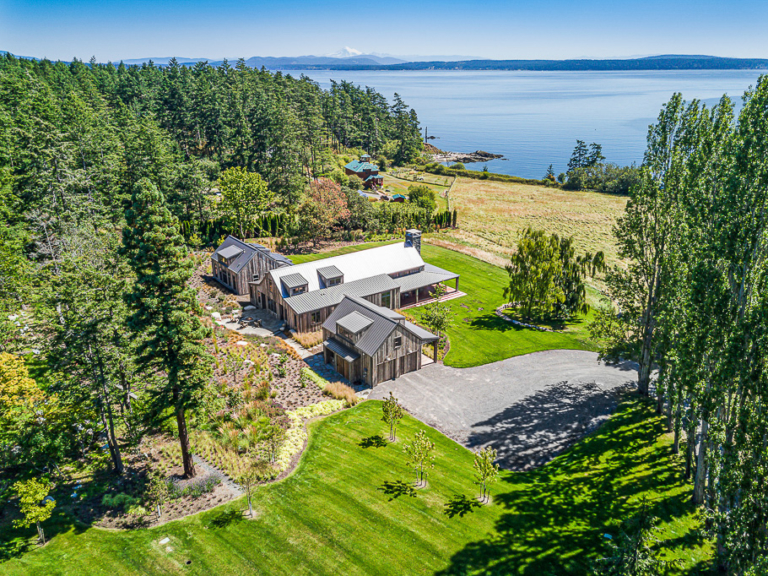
535, 118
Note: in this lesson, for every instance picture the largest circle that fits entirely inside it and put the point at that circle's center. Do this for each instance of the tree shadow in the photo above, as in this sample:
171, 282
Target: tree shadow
15, 542
534, 430
225, 518
376, 441
553, 519
396, 488
460, 505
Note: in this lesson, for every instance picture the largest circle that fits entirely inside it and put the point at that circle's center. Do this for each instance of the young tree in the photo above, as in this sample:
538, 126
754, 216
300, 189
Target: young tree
157, 492
273, 436
420, 453
250, 477
550, 175
486, 472
392, 414
533, 273
245, 198
165, 310
437, 316
35, 507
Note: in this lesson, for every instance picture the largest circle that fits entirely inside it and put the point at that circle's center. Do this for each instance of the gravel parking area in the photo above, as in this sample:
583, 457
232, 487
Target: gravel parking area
530, 408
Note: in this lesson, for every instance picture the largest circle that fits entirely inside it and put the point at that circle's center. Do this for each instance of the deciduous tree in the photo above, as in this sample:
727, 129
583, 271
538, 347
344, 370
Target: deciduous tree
420, 453
392, 414
34, 506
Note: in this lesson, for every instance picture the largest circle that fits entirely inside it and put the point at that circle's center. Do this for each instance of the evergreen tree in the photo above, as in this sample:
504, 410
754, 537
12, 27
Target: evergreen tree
165, 310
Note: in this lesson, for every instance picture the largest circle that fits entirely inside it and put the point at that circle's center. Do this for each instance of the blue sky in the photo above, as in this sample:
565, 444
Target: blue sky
112, 29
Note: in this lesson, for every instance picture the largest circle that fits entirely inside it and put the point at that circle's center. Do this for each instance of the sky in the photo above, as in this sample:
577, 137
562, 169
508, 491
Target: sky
498, 29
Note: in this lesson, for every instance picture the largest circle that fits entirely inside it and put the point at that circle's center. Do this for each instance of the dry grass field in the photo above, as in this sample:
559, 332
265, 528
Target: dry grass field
493, 214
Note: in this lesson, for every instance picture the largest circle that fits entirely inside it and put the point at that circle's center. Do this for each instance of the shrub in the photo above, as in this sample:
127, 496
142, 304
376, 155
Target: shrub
309, 339
341, 392
121, 500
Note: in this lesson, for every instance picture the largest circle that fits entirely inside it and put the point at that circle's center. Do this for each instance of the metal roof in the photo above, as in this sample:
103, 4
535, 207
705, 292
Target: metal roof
319, 299
358, 166
247, 253
382, 322
431, 275
329, 272
294, 280
419, 332
340, 350
354, 322
230, 252
374, 177
388, 259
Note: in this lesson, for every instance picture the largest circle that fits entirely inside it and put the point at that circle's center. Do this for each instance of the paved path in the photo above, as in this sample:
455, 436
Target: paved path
530, 408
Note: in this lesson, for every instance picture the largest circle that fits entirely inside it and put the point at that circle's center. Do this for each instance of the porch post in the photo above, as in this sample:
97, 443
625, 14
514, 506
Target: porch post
457, 283
417, 295
435, 345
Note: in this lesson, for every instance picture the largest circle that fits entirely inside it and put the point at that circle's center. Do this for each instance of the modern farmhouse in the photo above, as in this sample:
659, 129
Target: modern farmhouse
236, 263
393, 276
369, 344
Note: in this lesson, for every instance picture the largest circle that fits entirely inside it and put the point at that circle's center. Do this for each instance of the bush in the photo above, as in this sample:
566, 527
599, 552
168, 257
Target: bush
341, 391
309, 339
457, 166
121, 500
195, 488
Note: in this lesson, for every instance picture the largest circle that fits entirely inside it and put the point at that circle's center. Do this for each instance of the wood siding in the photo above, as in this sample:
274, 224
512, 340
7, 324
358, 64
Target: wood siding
239, 283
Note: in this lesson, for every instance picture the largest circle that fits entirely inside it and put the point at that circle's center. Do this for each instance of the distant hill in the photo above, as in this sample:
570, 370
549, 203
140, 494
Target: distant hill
348, 59
664, 62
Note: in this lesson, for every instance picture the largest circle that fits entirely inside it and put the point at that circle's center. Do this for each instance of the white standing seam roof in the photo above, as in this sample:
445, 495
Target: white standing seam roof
356, 265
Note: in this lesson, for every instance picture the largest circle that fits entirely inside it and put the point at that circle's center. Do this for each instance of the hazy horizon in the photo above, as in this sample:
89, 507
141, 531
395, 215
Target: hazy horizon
554, 29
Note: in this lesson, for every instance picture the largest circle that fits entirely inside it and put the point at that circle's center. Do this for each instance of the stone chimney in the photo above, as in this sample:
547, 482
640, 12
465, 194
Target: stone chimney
413, 238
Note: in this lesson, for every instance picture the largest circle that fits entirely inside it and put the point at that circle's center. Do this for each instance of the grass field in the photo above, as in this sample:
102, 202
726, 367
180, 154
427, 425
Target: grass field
492, 215
348, 509
477, 335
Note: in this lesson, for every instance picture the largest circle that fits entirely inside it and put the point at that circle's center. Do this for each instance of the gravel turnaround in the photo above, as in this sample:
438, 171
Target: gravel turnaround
530, 408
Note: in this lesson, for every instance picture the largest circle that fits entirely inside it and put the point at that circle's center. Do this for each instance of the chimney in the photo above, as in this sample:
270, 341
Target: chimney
413, 238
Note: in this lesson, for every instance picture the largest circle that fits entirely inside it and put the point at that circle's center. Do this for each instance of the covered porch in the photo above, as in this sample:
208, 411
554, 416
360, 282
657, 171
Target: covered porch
416, 289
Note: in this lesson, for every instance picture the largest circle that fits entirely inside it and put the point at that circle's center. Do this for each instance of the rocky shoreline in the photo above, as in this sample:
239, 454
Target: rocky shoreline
464, 157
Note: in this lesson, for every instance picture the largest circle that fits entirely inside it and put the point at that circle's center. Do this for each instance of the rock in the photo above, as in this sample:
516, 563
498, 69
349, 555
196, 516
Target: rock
216, 316
165, 540
249, 307
209, 308
241, 343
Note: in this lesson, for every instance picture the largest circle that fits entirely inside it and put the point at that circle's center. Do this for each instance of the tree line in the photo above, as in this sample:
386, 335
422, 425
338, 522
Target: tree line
691, 308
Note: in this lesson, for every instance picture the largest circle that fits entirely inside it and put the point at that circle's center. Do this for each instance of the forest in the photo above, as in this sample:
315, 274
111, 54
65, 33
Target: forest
109, 177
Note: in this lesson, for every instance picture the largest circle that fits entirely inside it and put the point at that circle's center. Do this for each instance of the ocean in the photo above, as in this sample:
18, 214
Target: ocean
535, 118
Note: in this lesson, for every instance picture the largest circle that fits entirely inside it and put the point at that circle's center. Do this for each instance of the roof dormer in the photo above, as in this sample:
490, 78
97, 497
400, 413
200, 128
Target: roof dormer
294, 284
330, 276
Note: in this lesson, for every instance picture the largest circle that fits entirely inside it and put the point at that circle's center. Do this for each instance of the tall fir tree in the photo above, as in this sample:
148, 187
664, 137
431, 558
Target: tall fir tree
165, 310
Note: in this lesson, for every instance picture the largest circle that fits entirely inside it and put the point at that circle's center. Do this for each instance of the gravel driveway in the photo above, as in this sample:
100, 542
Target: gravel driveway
530, 408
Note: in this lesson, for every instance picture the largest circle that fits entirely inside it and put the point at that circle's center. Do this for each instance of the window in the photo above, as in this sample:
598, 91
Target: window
398, 342
255, 277
386, 300
334, 281
315, 317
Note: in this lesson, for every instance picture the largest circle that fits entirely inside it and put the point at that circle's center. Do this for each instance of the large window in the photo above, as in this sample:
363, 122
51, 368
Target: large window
315, 317
398, 342
386, 300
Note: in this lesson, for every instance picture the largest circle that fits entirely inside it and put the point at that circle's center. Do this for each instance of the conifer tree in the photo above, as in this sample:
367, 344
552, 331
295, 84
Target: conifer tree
165, 310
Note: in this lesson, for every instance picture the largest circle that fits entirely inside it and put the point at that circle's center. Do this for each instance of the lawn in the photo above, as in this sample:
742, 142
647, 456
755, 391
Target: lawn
346, 510
492, 215
477, 335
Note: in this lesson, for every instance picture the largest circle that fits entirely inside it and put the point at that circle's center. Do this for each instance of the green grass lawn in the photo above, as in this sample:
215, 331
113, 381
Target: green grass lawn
346, 510
477, 335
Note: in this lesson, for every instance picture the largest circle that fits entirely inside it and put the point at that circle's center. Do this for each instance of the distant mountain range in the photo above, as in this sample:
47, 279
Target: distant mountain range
351, 59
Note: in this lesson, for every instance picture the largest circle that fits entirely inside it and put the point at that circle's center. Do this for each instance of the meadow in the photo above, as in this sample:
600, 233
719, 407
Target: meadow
350, 508
493, 214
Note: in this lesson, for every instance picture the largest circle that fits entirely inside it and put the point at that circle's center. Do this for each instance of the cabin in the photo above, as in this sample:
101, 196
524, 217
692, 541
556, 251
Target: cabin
369, 344
366, 171
236, 264
397, 198
393, 277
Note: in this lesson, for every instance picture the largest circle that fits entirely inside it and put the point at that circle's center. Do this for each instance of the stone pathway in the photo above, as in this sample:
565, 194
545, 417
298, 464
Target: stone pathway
225, 480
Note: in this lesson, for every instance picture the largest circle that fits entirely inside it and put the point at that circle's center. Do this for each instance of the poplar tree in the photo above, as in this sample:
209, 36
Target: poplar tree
165, 310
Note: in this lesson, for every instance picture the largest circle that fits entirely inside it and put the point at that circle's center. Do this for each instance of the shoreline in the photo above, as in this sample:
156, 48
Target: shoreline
464, 157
